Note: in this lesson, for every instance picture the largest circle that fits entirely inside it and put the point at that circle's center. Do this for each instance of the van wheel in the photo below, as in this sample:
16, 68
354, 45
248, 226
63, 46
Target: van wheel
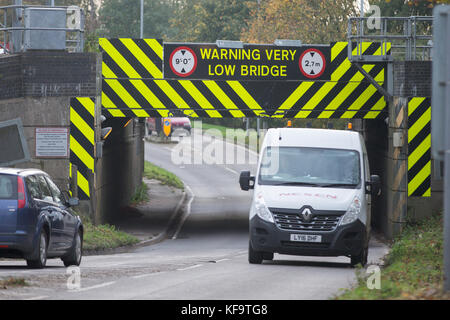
41, 261
254, 257
360, 258
73, 258
268, 256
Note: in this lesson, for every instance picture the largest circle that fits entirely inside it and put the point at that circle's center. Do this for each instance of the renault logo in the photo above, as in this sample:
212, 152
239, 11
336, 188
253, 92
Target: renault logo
307, 215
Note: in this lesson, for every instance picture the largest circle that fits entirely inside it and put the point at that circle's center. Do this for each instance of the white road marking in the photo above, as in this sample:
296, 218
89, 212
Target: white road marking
191, 267
222, 260
148, 275
37, 298
187, 213
231, 170
94, 287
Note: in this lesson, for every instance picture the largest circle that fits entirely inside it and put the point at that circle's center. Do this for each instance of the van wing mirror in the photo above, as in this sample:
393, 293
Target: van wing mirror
246, 181
374, 186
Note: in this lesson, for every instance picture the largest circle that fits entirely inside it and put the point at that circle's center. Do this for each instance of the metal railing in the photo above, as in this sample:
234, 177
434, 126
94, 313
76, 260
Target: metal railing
410, 38
15, 34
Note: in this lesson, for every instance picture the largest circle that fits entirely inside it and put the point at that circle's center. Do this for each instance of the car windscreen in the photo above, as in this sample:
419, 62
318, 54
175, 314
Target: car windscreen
8, 187
319, 167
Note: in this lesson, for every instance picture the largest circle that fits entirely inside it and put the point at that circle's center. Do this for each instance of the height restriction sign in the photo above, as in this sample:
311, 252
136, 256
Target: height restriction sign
312, 63
249, 62
183, 61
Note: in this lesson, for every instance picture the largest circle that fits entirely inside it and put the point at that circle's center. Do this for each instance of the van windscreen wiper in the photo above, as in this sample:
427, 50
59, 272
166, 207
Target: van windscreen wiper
298, 183
329, 185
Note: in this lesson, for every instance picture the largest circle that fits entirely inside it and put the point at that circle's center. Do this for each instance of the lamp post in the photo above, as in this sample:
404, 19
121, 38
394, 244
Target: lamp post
142, 19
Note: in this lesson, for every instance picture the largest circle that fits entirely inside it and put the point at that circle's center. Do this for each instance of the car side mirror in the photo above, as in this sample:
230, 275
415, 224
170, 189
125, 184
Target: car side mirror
246, 181
374, 186
73, 202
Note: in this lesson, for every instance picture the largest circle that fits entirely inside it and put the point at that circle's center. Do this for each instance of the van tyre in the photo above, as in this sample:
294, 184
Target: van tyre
42, 247
268, 256
73, 258
360, 258
254, 257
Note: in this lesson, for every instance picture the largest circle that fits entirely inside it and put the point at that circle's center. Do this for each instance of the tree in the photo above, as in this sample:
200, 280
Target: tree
121, 18
406, 8
210, 20
319, 21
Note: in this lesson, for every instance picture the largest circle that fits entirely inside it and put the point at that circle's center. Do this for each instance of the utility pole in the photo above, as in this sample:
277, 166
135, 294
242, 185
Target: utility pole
440, 116
142, 19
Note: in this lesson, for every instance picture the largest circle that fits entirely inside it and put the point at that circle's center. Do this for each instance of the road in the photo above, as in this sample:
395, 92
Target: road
207, 259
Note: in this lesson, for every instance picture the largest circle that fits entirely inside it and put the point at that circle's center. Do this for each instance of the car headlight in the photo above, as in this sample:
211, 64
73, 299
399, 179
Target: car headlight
261, 209
352, 212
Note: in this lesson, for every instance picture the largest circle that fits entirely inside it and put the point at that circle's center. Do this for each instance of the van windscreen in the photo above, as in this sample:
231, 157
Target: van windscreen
8, 187
310, 166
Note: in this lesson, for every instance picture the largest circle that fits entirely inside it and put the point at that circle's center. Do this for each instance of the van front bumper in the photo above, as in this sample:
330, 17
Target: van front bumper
345, 240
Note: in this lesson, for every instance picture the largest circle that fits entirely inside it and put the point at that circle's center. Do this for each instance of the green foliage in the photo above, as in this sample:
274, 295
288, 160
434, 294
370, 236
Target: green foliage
105, 237
319, 21
165, 177
210, 20
140, 195
406, 8
414, 267
121, 18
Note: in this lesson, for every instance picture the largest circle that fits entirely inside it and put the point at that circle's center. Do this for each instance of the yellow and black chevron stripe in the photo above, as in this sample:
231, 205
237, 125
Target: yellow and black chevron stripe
218, 99
130, 93
419, 147
131, 58
82, 140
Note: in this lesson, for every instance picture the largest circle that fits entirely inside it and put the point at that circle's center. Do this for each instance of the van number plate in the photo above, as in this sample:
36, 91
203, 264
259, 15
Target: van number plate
306, 238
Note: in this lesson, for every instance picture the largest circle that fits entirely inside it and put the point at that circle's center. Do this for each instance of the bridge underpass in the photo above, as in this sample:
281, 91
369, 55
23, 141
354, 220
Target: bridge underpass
104, 167
139, 80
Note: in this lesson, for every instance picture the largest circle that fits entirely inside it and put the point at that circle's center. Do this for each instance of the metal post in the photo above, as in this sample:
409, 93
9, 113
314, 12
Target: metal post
447, 214
447, 187
257, 134
447, 163
142, 19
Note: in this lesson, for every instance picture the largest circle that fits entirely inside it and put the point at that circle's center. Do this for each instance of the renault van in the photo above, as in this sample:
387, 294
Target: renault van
312, 195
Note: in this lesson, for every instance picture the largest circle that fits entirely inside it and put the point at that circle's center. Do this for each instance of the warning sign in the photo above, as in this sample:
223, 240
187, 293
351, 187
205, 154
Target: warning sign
251, 62
167, 127
312, 63
183, 61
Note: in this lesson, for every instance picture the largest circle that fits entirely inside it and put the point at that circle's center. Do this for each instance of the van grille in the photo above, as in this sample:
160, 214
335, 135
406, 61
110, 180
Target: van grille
294, 221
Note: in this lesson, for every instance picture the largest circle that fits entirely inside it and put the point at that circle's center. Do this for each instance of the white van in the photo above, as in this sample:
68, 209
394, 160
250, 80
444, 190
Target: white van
312, 195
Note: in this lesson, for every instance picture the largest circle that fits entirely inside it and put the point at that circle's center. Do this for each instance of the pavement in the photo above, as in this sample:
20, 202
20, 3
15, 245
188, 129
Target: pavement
206, 255
150, 221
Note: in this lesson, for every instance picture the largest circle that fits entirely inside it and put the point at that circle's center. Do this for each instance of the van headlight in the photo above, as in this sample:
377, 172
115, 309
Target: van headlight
352, 213
261, 209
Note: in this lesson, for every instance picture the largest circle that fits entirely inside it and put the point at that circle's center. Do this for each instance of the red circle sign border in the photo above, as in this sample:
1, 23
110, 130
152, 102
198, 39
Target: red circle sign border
303, 71
195, 62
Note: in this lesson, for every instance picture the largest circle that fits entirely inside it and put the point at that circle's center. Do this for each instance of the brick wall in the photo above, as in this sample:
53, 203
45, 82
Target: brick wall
47, 74
11, 83
412, 79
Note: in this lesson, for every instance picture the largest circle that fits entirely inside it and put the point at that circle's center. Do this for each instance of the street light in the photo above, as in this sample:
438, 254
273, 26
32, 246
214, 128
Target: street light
142, 19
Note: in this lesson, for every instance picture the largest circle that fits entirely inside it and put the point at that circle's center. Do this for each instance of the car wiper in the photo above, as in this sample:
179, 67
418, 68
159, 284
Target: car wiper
297, 184
338, 185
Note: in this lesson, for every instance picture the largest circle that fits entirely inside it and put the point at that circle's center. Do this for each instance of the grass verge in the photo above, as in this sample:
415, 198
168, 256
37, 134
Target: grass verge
413, 268
141, 194
152, 171
12, 282
105, 236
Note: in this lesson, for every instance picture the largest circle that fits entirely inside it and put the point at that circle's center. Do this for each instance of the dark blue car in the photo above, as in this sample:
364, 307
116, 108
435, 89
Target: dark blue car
36, 219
